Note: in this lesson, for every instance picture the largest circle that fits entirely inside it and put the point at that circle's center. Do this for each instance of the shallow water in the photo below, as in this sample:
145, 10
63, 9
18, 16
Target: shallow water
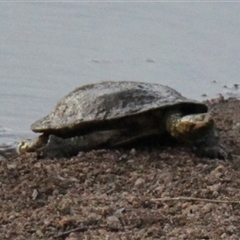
48, 49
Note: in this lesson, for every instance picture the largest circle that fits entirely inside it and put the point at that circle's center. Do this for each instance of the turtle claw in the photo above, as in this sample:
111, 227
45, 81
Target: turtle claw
218, 151
223, 153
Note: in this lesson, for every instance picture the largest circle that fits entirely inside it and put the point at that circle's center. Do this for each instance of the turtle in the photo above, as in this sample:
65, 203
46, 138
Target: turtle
115, 114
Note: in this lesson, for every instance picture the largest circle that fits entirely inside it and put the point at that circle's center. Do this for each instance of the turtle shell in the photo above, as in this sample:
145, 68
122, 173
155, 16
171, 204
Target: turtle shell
89, 107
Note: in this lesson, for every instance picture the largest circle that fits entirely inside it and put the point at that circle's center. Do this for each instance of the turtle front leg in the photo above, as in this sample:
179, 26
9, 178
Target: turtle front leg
57, 147
215, 151
210, 147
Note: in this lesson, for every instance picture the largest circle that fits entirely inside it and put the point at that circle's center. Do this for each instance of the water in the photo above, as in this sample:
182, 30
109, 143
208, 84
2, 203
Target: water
48, 49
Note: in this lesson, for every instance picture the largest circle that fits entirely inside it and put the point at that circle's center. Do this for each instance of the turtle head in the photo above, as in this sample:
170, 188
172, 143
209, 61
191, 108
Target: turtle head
24, 146
30, 145
191, 127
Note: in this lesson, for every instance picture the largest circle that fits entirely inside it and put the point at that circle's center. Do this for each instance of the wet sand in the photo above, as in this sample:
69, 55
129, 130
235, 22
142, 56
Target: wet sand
164, 193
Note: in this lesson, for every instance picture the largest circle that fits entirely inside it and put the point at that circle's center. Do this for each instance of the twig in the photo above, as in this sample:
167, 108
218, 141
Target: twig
79, 229
85, 228
193, 199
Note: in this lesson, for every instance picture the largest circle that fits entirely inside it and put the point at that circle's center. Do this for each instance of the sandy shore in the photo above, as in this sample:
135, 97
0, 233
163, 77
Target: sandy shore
165, 193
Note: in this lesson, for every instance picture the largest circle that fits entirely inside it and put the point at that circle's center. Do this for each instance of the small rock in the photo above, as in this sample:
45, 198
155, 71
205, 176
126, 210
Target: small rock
224, 236
81, 154
73, 235
39, 233
218, 171
130, 161
47, 222
34, 194
139, 182
123, 157
2, 158
131, 198
208, 207
120, 210
215, 194
133, 152
71, 238
150, 60
11, 166
105, 210
65, 221
190, 210
93, 217
113, 222
215, 187
235, 85
38, 165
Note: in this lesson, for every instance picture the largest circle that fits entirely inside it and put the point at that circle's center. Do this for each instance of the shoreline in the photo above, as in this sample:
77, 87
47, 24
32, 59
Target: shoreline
142, 194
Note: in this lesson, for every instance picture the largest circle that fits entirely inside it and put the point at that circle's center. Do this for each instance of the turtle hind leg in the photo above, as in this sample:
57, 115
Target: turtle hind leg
57, 147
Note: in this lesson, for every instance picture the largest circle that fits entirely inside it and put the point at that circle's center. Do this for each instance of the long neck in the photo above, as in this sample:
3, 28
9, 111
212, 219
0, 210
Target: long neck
171, 123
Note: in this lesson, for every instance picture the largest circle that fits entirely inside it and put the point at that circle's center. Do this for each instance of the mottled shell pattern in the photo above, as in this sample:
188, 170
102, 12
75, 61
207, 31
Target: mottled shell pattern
94, 103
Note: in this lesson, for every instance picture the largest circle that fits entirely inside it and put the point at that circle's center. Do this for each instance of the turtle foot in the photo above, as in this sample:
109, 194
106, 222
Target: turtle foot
216, 151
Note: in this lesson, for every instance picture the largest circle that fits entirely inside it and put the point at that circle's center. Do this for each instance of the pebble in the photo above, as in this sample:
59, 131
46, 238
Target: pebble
113, 222
11, 166
215, 187
208, 207
72, 238
133, 152
218, 171
34, 194
39, 233
139, 182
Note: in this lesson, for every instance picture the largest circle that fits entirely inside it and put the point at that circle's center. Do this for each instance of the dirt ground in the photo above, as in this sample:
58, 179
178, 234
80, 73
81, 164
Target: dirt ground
164, 193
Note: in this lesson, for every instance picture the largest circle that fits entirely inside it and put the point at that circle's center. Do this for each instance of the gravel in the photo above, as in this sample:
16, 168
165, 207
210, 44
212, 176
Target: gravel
153, 193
